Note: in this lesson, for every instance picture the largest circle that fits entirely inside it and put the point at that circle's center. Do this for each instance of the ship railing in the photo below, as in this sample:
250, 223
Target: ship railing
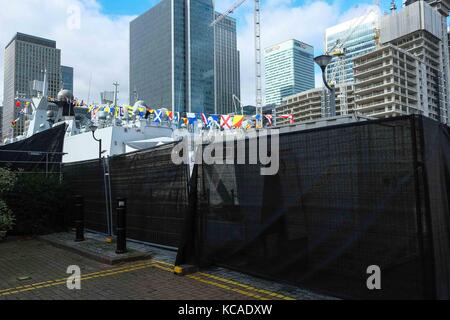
32, 162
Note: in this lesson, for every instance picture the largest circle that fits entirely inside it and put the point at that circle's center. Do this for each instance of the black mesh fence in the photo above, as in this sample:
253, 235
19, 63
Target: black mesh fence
88, 180
345, 198
436, 150
155, 189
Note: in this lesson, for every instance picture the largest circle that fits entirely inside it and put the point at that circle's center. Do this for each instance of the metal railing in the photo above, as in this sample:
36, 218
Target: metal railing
32, 162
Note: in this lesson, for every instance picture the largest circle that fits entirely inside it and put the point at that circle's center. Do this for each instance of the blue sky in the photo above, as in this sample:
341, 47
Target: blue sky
103, 34
135, 7
304, 20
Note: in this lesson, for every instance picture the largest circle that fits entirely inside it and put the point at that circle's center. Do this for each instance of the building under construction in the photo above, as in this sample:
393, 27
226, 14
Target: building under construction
406, 74
313, 104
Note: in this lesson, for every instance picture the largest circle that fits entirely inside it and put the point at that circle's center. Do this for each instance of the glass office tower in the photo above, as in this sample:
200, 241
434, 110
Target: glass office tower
26, 58
289, 69
228, 81
172, 56
67, 78
359, 35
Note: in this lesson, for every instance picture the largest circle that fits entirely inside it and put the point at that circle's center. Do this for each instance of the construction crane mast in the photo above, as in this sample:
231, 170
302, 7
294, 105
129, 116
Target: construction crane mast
258, 59
338, 51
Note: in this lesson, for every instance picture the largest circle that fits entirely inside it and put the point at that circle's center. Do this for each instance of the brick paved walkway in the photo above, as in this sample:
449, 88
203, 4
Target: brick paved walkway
46, 266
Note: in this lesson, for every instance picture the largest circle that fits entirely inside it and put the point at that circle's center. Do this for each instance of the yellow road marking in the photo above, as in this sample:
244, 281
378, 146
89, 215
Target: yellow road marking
165, 263
158, 265
222, 286
103, 273
86, 275
236, 283
248, 287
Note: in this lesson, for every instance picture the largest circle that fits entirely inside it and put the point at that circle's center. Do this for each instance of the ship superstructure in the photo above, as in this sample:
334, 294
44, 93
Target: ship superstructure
127, 132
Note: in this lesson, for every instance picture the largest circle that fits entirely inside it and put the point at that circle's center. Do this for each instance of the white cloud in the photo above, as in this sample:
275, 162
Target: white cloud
280, 21
100, 46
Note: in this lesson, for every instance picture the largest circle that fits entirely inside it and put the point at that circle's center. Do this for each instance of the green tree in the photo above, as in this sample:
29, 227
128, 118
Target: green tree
8, 180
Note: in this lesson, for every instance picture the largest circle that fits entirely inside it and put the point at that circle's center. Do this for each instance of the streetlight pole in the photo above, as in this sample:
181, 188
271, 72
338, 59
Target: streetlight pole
93, 129
323, 61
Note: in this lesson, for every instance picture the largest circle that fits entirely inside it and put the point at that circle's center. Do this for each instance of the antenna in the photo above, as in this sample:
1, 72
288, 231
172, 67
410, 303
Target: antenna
116, 91
393, 6
45, 89
89, 92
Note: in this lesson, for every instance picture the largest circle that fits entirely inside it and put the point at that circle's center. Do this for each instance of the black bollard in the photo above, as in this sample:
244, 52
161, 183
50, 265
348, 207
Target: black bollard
79, 218
121, 226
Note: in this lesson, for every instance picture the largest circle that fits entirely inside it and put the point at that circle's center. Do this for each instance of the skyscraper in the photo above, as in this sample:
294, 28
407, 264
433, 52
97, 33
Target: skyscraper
172, 56
409, 73
289, 69
1, 120
26, 59
227, 72
67, 77
359, 36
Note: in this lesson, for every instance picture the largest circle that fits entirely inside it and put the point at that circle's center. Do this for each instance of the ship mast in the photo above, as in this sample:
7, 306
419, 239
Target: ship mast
116, 91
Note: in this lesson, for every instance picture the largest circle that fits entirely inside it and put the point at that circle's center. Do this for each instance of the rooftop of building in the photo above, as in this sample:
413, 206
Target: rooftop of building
287, 41
32, 39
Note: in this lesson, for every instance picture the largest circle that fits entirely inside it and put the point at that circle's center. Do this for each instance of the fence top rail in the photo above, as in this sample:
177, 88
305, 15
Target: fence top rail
30, 162
34, 153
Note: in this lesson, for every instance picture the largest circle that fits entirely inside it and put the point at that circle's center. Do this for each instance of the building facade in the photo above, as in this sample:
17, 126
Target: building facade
227, 61
406, 73
1, 121
67, 78
359, 36
390, 82
409, 74
312, 104
26, 59
107, 97
172, 56
289, 69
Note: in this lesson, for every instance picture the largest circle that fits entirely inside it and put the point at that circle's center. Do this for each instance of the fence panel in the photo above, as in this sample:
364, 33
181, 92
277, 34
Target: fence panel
156, 190
345, 198
87, 179
154, 187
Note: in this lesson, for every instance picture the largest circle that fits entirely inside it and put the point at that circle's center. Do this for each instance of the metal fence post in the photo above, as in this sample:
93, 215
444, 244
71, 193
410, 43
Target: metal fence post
46, 164
121, 226
79, 220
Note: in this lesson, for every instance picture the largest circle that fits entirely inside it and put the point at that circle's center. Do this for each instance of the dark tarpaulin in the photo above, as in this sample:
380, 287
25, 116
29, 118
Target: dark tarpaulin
345, 198
157, 195
436, 155
155, 189
87, 179
17, 155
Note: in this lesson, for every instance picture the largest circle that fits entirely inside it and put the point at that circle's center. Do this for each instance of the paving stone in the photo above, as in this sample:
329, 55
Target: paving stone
43, 262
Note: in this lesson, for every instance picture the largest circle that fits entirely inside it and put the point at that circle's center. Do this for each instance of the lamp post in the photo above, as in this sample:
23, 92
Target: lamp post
323, 61
93, 129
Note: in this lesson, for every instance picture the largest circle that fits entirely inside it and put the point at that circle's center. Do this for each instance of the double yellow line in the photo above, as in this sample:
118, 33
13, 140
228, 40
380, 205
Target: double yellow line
85, 277
209, 279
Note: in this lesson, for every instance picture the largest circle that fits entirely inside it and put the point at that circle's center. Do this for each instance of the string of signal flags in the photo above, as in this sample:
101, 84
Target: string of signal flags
228, 121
